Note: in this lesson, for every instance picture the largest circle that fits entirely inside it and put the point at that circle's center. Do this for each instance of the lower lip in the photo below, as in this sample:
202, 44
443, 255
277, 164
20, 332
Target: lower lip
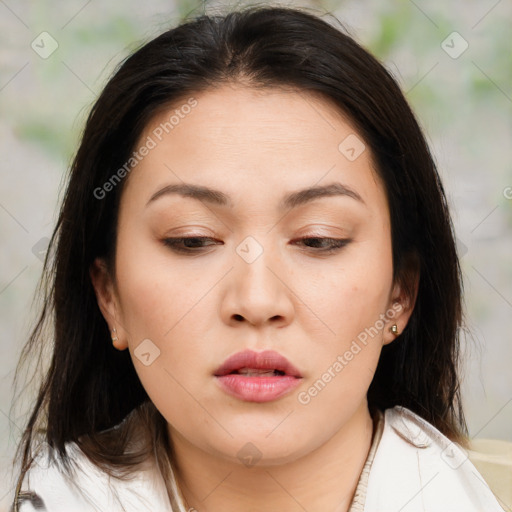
257, 389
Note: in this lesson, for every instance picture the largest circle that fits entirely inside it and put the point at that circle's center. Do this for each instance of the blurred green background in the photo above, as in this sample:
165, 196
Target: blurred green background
463, 102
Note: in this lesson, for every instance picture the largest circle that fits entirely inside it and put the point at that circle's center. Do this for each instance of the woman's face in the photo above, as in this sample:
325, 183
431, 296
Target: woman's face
254, 283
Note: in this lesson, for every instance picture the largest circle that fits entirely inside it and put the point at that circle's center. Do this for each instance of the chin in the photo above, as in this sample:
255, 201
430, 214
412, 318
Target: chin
256, 449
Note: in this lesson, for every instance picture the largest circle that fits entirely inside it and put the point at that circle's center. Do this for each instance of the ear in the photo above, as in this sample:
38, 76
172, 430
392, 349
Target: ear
402, 299
107, 301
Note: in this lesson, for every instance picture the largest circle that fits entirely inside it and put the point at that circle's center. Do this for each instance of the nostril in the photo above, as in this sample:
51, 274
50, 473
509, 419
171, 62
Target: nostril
239, 318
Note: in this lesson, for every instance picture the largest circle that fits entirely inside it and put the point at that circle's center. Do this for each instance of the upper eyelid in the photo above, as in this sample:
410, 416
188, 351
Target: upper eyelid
338, 242
303, 237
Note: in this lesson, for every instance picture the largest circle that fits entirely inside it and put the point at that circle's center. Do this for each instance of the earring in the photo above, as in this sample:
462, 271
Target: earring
394, 329
114, 334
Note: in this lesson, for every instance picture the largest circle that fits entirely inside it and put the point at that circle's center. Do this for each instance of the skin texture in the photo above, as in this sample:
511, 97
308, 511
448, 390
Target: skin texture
256, 146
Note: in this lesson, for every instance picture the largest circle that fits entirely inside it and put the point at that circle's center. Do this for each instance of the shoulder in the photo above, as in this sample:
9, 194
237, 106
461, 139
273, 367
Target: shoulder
417, 468
47, 487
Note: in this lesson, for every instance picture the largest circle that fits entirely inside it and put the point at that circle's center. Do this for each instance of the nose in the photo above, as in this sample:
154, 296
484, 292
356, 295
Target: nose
258, 292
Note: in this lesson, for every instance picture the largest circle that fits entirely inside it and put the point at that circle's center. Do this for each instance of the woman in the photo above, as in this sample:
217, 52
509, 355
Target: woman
256, 290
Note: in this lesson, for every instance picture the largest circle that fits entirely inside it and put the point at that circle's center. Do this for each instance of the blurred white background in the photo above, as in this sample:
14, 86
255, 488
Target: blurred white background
460, 86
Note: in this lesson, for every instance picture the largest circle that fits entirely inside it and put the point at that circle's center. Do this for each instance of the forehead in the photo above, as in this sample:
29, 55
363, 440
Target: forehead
254, 144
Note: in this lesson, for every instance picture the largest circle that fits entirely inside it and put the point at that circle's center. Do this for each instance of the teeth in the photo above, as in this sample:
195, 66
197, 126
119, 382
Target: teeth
250, 372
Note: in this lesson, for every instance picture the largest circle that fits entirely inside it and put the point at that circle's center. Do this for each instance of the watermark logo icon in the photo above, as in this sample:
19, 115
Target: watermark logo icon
40, 248
249, 249
454, 455
249, 455
454, 45
462, 248
44, 45
351, 147
147, 352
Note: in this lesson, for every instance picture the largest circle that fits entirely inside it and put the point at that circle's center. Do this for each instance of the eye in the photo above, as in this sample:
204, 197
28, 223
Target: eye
187, 245
330, 245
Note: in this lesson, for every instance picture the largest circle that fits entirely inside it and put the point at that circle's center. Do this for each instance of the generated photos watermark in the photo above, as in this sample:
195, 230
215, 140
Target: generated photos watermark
150, 143
305, 397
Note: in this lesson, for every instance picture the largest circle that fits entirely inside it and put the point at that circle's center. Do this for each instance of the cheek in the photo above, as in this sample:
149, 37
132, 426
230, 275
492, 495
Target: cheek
154, 291
159, 303
163, 303
349, 294
351, 306
350, 300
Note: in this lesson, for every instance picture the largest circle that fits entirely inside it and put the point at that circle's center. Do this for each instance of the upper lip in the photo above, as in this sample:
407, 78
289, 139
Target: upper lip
266, 360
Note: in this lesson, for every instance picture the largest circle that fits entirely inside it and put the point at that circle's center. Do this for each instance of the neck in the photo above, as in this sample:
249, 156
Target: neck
325, 479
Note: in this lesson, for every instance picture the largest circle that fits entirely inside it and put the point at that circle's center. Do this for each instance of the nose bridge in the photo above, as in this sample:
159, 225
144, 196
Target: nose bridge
255, 256
256, 291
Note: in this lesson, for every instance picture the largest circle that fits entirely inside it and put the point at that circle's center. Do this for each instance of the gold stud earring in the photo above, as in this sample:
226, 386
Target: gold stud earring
114, 334
394, 329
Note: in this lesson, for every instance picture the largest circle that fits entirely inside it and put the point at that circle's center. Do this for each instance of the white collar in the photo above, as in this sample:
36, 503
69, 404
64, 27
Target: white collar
415, 469
418, 469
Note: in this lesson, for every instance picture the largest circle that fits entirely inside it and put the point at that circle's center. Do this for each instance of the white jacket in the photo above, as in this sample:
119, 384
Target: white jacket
415, 469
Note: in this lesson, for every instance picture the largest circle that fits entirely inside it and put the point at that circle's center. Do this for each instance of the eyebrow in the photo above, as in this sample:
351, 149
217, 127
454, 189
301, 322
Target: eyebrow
289, 201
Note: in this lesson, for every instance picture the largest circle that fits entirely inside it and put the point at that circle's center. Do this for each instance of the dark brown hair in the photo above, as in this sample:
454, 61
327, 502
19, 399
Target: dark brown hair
89, 387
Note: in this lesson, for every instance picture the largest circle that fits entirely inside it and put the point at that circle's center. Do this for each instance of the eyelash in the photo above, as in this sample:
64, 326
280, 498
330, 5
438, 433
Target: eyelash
335, 244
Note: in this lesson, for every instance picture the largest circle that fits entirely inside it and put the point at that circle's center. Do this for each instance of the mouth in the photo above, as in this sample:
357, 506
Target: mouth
257, 376
257, 372
257, 364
